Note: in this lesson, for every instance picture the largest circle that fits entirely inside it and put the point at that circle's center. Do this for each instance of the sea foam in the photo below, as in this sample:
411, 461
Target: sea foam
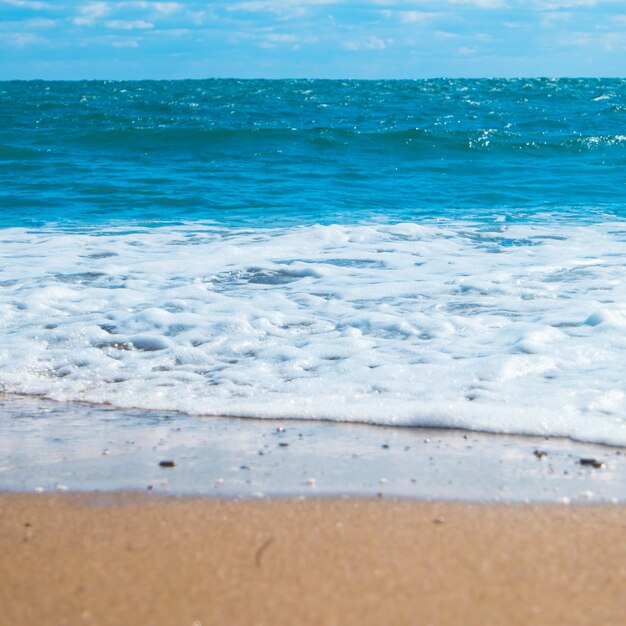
503, 328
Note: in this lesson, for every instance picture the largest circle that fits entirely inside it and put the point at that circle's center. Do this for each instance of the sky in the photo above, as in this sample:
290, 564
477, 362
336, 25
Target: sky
133, 39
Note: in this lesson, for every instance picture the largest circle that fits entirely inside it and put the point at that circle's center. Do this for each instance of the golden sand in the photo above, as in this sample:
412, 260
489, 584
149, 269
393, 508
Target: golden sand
125, 559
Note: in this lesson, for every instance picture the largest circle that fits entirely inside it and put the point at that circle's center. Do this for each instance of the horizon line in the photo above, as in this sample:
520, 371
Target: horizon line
316, 78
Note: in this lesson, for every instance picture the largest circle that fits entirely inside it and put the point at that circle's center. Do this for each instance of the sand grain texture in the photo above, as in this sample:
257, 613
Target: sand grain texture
129, 559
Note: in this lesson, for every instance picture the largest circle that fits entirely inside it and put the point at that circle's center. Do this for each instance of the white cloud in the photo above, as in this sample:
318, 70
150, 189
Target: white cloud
167, 8
481, 4
576, 39
276, 6
164, 8
442, 34
466, 52
28, 4
415, 16
282, 38
552, 19
20, 39
197, 17
129, 25
274, 40
37, 23
91, 12
366, 43
125, 43
409, 16
551, 5
178, 32
608, 42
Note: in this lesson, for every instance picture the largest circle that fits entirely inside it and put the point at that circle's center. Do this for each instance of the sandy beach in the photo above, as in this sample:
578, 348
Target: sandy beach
123, 558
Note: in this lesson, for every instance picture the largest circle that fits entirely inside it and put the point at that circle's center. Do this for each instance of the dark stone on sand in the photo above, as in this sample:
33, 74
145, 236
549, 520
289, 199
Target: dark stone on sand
591, 463
167, 464
283, 444
540, 454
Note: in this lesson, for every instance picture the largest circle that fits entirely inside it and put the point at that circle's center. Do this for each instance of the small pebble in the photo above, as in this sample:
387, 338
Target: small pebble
167, 463
592, 463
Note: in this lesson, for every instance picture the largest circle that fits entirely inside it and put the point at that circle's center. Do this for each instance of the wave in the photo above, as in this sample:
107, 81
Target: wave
513, 329
327, 142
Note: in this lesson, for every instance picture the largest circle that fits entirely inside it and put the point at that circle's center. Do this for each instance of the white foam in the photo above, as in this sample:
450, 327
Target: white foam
517, 329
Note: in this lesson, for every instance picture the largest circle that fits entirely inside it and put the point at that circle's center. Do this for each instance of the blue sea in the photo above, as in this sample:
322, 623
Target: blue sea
447, 253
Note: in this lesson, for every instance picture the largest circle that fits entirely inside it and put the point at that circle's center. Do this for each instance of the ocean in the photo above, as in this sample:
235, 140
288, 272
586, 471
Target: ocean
440, 253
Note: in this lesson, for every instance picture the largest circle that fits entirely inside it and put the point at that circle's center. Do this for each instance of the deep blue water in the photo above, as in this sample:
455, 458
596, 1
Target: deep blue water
272, 153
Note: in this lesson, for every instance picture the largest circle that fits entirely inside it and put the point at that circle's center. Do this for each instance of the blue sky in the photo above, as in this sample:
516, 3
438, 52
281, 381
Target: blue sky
311, 38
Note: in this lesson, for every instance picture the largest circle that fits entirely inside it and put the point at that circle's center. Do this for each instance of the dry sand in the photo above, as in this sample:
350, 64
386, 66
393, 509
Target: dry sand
143, 559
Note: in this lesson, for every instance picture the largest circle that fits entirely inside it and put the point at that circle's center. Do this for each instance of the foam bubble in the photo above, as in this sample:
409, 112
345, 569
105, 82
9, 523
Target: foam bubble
514, 329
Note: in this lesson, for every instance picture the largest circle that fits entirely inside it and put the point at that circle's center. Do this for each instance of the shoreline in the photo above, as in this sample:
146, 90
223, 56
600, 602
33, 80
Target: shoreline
160, 518
47, 446
144, 558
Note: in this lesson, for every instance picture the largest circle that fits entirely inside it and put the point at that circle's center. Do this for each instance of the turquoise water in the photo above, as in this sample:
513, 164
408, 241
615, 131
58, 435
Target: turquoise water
266, 153
442, 253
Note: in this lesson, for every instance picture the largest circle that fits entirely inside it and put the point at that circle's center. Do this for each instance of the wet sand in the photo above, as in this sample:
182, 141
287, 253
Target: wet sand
48, 446
121, 558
